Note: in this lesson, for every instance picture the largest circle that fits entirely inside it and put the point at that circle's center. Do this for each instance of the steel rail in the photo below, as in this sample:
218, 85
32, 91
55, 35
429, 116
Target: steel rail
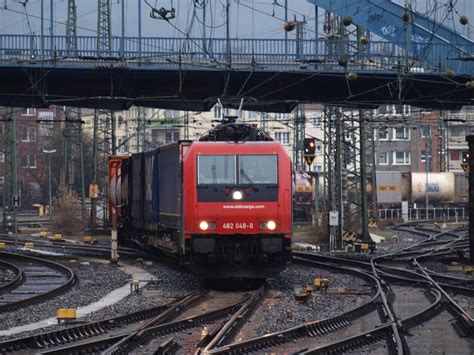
309, 329
101, 345
81, 331
70, 275
382, 332
89, 249
16, 281
234, 323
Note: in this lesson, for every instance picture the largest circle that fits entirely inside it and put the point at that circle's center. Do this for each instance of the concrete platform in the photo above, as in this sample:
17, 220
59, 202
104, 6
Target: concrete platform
109, 299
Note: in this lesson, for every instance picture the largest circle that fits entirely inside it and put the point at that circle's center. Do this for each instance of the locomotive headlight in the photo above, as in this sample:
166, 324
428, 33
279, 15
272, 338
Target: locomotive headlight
237, 195
271, 225
204, 225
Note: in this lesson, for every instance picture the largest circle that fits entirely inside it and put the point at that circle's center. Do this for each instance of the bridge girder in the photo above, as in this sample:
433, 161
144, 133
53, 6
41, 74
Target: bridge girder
197, 90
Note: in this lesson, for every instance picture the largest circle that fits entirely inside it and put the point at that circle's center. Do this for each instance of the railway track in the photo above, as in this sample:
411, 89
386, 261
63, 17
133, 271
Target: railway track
85, 250
36, 280
390, 332
155, 328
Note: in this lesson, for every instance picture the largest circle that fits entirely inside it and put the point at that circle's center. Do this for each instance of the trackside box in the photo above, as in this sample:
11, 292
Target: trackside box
155, 185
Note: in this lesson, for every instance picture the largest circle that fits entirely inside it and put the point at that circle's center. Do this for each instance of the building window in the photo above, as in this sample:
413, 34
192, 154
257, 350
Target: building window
283, 137
401, 134
120, 121
28, 134
425, 131
423, 156
2, 180
385, 109
28, 161
172, 137
2, 128
251, 114
457, 131
282, 116
383, 134
454, 155
2, 157
217, 111
171, 114
401, 158
317, 168
316, 121
30, 112
383, 158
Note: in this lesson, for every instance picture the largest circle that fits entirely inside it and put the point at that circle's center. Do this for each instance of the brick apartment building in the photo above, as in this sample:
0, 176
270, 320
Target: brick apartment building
37, 129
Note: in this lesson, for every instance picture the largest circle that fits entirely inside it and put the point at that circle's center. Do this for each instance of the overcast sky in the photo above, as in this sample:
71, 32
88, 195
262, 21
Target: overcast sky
249, 18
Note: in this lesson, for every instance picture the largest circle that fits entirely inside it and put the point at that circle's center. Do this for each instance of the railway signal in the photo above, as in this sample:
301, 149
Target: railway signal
309, 150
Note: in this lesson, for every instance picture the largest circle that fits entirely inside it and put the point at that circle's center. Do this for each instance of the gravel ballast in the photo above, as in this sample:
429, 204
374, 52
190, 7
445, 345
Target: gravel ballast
170, 283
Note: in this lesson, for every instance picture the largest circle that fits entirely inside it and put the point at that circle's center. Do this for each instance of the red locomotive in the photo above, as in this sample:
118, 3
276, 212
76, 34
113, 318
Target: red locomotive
222, 205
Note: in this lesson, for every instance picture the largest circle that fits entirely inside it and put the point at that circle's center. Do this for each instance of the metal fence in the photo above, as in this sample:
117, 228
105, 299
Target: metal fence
374, 56
414, 214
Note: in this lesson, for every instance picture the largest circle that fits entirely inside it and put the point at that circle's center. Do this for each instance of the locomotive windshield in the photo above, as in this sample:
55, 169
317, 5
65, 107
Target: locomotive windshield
258, 169
233, 170
216, 169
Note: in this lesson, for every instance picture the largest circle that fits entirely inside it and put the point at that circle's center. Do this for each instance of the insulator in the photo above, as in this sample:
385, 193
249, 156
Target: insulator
450, 73
343, 61
352, 76
463, 20
347, 21
289, 26
363, 40
405, 16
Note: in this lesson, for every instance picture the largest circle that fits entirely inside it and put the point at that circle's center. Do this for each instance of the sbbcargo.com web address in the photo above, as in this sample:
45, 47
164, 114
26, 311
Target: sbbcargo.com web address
244, 207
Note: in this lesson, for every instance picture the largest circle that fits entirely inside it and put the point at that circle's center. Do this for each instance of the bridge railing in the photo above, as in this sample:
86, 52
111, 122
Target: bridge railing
376, 55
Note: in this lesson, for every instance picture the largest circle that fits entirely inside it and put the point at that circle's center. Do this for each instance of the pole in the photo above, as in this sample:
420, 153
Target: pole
83, 187
227, 32
286, 32
316, 30
427, 168
95, 159
316, 199
14, 158
139, 31
338, 182
42, 29
49, 178
470, 140
204, 27
363, 177
51, 9
122, 40
113, 244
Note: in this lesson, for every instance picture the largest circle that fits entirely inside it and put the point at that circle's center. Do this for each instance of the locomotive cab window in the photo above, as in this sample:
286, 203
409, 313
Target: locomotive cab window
258, 169
216, 169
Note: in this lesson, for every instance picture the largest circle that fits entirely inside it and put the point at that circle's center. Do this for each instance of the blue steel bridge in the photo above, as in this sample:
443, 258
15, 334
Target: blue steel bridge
431, 68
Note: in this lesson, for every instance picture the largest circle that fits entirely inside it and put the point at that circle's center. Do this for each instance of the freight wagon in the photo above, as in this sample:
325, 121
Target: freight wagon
444, 189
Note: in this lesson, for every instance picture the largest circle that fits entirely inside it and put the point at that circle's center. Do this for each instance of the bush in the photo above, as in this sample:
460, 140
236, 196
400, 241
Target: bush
67, 217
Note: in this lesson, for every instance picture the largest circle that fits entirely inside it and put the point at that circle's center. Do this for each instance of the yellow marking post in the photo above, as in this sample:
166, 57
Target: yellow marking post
43, 234
66, 314
29, 245
87, 239
2, 245
58, 236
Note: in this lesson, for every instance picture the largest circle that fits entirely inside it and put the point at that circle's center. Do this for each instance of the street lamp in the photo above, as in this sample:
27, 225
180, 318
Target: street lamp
49, 152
